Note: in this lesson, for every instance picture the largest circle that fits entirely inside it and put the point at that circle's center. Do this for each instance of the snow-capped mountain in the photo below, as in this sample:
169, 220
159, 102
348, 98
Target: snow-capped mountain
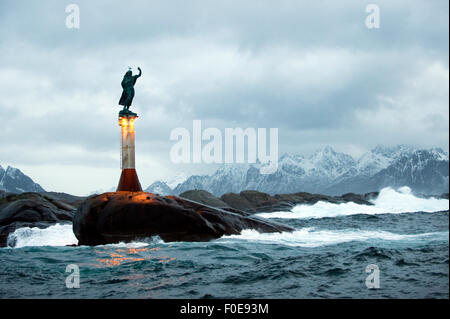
381, 157
12, 180
330, 172
176, 180
422, 170
160, 188
103, 190
166, 187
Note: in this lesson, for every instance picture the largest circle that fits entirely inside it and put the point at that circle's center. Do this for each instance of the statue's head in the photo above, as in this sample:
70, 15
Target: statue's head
129, 73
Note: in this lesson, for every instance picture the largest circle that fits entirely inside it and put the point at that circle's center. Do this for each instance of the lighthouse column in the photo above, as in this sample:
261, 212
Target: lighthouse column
129, 180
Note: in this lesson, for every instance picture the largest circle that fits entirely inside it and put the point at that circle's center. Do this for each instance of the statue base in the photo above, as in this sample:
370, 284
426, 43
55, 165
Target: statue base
127, 113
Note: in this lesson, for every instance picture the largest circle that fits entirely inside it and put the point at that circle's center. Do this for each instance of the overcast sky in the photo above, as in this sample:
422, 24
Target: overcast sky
312, 69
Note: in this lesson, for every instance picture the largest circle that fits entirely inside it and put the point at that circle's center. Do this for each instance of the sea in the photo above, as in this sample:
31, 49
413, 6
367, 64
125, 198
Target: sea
396, 248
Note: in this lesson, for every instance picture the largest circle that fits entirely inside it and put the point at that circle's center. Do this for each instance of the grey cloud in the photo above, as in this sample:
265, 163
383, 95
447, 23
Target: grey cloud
311, 69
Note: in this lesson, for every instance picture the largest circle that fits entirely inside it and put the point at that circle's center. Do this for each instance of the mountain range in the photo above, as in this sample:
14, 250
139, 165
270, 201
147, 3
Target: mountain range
326, 171
329, 172
12, 180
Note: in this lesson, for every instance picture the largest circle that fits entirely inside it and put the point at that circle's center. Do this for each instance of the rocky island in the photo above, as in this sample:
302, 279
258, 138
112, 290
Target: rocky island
127, 216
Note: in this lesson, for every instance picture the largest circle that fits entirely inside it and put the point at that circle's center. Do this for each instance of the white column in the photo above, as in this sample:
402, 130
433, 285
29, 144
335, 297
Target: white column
126, 124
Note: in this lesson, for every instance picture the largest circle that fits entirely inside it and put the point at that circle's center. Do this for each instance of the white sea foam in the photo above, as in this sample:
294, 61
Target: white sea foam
388, 201
309, 237
134, 244
55, 235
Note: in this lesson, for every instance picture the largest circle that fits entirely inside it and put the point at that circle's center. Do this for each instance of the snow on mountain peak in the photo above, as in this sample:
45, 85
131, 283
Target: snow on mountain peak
14, 181
12, 172
439, 154
393, 151
328, 162
176, 180
324, 171
159, 187
381, 157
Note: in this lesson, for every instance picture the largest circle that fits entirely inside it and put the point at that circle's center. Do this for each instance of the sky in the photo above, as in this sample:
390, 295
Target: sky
312, 69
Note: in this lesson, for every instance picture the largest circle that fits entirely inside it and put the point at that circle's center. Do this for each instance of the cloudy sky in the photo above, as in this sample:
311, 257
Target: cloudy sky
312, 69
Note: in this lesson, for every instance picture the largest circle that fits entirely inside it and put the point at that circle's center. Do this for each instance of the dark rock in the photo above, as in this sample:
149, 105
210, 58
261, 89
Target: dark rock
126, 216
204, 197
444, 196
359, 199
370, 196
258, 199
306, 198
66, 198
254, 201
31, 210
238, 202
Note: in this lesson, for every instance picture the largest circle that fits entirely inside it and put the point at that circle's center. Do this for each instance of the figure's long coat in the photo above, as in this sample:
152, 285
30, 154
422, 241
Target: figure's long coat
128, 90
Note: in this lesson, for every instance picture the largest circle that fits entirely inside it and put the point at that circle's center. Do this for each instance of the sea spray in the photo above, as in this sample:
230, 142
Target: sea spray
389, 201
310, 237
55, 235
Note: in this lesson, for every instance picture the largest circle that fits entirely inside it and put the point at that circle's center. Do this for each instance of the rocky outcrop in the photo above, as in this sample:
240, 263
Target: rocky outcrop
127, 216
3, 193
235, 200
254, 201
204, 197
66, 198
31, 210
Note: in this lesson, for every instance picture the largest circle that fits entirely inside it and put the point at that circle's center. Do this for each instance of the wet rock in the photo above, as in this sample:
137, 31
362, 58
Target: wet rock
204, 197
238, 202
127, 216
444, 196
254, 201
31, 210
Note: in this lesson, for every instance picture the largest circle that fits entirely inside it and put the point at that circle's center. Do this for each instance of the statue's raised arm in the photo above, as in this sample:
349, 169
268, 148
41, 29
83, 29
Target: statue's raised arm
140, 73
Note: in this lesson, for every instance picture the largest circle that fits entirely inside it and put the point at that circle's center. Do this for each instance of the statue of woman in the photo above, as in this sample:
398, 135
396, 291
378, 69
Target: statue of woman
128, 88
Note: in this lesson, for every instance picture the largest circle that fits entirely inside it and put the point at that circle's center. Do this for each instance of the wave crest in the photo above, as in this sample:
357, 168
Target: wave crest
389, 201
309, 237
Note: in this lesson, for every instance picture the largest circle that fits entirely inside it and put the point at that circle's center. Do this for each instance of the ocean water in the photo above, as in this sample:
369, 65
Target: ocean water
406, 237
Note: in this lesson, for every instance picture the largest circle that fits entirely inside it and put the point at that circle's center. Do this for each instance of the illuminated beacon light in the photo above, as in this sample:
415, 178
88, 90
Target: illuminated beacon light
128, 179
123, 121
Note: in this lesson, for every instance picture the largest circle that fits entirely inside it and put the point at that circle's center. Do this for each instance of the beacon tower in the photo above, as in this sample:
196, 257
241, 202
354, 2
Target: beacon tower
129, 180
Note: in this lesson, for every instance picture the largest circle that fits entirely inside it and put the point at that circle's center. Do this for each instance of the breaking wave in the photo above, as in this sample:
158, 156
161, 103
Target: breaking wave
389, 201
309, 237
55, 235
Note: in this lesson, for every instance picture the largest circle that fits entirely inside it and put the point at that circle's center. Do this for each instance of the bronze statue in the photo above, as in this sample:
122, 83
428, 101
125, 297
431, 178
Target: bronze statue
128, 89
